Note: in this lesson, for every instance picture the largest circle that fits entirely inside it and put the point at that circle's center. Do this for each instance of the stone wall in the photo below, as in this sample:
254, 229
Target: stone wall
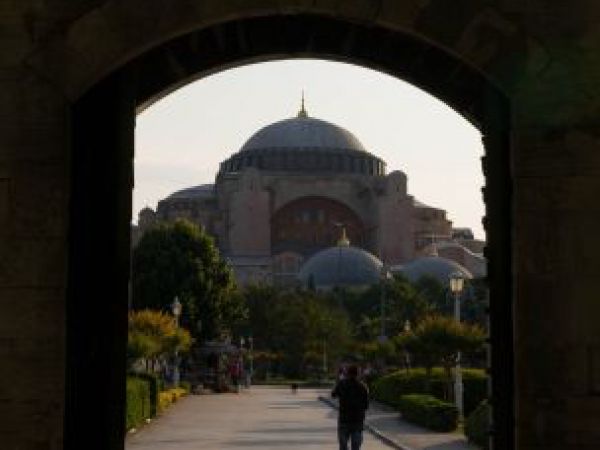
542, 55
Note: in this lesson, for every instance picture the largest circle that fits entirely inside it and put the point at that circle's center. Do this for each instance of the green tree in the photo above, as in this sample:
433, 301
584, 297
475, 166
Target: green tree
179, 259
436, 295
402, 302
153, 334
439, 340
296, 325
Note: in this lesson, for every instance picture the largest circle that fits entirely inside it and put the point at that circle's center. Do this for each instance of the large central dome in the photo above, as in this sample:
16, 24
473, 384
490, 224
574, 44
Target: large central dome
303, 133
304, 144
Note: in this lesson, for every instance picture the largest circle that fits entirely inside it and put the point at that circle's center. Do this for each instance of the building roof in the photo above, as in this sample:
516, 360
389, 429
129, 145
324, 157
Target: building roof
433, 266
304, 144
341, 266
200, 191
303, 133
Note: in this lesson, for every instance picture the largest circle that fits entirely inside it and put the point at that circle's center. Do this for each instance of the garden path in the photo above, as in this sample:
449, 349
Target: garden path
259, 418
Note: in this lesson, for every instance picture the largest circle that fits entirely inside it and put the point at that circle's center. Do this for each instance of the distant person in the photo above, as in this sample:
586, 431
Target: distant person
353, 397
294, 388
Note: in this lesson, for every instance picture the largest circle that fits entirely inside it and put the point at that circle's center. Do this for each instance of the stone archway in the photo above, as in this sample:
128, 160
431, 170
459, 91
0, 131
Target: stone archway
102, 174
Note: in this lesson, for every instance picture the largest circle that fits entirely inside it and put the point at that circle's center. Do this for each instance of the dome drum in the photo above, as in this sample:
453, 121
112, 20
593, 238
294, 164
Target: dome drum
308, 160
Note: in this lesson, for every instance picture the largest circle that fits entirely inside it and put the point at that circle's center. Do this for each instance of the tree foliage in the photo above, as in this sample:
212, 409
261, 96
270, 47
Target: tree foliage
439, 340
180, 260
153, 334
402, 302
296, 325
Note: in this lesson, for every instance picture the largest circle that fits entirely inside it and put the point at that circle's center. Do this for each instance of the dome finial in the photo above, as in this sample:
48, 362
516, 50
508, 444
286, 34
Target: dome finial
343, 241
432, 249
302, 112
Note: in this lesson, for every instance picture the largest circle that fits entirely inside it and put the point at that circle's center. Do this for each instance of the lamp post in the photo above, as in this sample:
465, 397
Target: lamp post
251, 357
176, 308
385, 275
457, 281
407, 328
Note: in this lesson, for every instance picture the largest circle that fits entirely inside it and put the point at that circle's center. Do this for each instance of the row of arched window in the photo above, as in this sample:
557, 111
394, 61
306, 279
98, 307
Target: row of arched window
305, 160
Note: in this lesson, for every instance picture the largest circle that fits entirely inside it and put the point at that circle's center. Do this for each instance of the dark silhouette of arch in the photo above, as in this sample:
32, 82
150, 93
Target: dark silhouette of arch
102, 178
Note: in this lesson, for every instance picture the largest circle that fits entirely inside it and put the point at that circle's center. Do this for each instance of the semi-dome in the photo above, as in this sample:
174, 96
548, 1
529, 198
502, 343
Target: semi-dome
200, 191
432, 266
304, 144
341, 266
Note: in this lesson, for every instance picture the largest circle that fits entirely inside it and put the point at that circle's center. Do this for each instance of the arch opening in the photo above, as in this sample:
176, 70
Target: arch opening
106, 148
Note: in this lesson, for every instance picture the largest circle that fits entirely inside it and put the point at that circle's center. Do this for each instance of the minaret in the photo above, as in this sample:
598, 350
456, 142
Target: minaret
302, 113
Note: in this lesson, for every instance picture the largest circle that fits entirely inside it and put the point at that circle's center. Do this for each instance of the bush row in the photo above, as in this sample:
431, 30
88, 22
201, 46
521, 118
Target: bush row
477, 426
155, 385
146, 397
429, 412
389, 388
138, 407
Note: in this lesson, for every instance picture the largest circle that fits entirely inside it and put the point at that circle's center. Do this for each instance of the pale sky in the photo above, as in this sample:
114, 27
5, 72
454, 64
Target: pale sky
181, 139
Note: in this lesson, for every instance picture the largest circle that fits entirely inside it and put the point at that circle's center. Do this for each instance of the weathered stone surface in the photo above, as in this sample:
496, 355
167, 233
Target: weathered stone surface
545, 56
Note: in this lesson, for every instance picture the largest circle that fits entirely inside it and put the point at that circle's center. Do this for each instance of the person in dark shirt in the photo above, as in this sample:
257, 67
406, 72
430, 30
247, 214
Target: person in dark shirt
353, 397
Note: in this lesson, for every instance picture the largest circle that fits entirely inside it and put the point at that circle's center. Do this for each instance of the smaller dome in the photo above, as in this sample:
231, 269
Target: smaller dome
433, 266
341, 266
200, 191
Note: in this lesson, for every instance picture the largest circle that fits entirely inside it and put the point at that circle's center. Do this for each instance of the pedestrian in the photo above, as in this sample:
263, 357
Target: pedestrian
353, 398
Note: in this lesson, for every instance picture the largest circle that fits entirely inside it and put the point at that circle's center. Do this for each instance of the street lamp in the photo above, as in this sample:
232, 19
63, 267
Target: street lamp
385, 276
251, 357
457, 282
407, 329
176, 308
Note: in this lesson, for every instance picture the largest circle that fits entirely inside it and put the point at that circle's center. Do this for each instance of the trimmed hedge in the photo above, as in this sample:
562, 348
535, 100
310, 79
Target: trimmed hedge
155, 384
429, 412
138, 407
389, 388
477, 426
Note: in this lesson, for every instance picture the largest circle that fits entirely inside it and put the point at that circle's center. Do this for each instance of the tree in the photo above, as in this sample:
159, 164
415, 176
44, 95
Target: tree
296, 325
153, 334
402, 302
436, 294
179, 259
439, 340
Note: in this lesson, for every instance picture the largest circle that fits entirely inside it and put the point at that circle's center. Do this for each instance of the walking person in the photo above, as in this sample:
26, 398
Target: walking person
353, 398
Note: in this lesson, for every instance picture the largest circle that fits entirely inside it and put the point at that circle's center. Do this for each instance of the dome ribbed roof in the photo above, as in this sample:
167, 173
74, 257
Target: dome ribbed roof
300, 133
433, 266
203, 190
341, 266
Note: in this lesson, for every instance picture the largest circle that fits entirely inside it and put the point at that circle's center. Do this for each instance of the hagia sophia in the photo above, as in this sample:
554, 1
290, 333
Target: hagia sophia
304, 201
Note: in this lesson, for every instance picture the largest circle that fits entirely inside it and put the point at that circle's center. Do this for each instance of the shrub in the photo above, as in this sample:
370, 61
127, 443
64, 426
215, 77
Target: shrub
389, 388
428, 411
167, 398
137, 402
477, 425
154, 385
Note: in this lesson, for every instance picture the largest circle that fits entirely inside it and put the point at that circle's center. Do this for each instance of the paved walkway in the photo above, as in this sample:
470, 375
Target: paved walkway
262, 418
411, 437
387, 422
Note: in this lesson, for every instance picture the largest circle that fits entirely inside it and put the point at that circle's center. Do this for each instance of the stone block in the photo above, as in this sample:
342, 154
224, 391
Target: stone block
33, 118
33, 262
39, 200
556, 152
